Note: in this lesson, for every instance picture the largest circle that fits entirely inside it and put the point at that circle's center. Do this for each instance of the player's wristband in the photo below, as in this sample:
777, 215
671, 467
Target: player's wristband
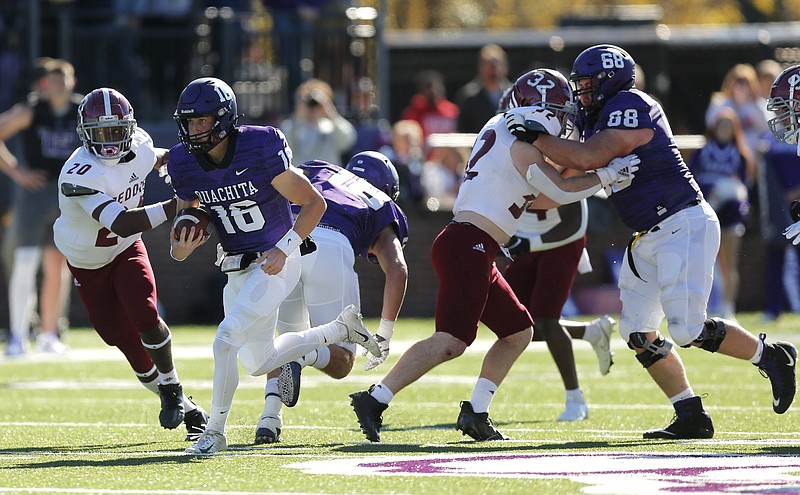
156, 214
289, 242
385, 329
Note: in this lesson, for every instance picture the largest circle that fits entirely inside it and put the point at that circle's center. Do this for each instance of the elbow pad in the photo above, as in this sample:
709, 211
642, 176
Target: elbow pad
538, 179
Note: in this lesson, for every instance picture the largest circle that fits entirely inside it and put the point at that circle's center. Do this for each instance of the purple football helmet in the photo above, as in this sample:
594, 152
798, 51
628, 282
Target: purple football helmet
378, 170
206, 96
609, 70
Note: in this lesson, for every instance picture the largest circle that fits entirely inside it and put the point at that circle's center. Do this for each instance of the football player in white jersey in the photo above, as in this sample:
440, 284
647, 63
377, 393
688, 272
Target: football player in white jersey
101, 196
549, 249
503, 178
784, 101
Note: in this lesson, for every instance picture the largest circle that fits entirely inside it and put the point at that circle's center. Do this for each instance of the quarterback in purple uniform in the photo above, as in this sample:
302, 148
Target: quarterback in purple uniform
362, 219
243, 177
669, 264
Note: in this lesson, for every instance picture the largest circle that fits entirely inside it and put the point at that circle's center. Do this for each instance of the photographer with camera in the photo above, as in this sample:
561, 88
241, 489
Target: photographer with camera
316, 130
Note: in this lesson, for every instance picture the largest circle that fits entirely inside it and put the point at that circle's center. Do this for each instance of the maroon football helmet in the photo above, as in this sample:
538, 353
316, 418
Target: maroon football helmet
106, 124
784, 100
545, 88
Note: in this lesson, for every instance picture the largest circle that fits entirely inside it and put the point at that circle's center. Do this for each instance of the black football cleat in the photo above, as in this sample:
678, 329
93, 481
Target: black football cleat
368, 412
268, 430
690, 421
778, 364
171, 415
195, 422
477, 425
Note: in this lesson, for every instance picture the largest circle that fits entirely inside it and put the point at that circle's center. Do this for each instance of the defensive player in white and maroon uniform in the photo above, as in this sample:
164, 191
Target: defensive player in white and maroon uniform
362, 219
547, 249
503, 178
669, 266
243, 176
784, 101
101, 193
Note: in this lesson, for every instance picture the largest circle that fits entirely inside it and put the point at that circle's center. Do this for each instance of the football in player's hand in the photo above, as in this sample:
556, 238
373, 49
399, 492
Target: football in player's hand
192, 217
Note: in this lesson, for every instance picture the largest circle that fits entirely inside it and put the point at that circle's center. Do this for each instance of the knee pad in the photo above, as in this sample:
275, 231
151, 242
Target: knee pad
653, 351
713, 334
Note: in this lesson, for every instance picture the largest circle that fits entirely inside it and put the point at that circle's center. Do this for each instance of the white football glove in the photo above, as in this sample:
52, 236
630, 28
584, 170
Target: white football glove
527, 123
792, 232
383, 335
618, 174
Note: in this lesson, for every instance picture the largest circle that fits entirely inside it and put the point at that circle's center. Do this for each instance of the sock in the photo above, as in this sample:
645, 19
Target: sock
759, 352
188, 405
686, 394
224, 383
381, 393
309, 359
272, 402
575, 395
272, 387
323, 358
22, 290
169, 377
482, 395
152, 386
591, 332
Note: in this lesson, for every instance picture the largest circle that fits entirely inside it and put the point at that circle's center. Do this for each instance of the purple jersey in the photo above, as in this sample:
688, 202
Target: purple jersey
248, 213
716, 161
663, 184
356, 208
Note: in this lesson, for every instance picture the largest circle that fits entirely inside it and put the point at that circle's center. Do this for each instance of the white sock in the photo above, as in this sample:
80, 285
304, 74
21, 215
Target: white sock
272, 401
323, 358
592, 331
482, 395
686, 394
293, 346
226, 379
272, 387
22, 290
575, 395
151, 386
188, 405
168, 377
382, 394
759, 352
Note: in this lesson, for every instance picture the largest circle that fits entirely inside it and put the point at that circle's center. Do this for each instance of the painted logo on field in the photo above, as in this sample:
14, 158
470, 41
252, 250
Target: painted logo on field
607, 473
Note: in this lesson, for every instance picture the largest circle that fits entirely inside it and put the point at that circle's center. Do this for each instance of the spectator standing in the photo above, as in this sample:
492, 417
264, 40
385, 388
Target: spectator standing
316, 130
47, 125
429, 106
407, 153
477, 100
740, 92
724, 168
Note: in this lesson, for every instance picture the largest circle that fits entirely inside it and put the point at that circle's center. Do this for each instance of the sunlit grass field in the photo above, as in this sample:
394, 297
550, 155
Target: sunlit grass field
83, 424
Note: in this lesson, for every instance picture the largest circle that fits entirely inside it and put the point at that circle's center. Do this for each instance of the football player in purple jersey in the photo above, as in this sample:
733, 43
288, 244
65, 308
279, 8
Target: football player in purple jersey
243, 176
669, 263
362, 219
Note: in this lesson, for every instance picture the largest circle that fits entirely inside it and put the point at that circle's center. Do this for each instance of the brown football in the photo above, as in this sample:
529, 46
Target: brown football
192, 217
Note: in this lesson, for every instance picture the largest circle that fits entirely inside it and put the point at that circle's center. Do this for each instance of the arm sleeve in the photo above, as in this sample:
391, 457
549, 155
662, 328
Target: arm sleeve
538, 179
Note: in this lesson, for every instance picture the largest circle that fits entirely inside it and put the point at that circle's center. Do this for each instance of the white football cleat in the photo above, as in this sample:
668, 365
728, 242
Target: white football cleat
603, 345
357, 333
210, 442
268, 430
574, 411
50, 343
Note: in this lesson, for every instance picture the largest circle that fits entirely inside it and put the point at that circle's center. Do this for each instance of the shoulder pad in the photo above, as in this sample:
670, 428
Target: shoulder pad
69, 190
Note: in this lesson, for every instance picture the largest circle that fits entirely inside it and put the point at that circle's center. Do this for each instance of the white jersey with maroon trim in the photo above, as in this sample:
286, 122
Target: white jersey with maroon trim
493, 187
84, 241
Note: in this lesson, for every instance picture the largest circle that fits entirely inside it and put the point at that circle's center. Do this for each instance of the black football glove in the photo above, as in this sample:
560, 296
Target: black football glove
518, 245
523, 129
308, 246
794, 210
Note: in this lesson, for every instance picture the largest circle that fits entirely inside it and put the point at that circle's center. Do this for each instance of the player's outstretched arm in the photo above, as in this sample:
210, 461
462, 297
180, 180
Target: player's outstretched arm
389, 252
